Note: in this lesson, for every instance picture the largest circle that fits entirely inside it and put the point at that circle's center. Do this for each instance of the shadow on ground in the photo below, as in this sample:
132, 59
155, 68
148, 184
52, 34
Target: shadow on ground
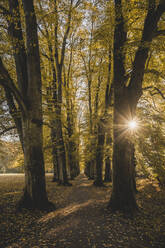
81, 219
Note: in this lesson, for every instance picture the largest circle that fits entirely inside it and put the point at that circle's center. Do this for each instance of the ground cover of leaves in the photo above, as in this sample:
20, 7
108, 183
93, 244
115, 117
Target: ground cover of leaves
81, 218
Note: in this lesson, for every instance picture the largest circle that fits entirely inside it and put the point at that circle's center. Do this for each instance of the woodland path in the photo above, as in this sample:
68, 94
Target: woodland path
81, 220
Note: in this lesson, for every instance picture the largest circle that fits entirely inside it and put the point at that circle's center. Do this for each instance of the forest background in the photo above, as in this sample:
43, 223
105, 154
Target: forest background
73, 74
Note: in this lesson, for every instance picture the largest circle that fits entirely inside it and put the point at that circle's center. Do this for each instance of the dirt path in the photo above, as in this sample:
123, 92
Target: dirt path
81, 220
74, 224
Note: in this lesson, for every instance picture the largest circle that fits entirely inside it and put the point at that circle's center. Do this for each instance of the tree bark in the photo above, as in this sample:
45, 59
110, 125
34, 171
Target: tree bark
63, 178
54, 152
108, 122
99, 155
15, 115
122, 197
72, 152
108, 142
35, 195
16, 35
107, 175
28, 97
125, 102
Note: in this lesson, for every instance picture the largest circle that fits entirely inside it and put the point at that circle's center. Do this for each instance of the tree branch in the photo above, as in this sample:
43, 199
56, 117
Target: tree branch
66, 35
7, 82
4, 10
77, 3
7, 130
155, 88
150, 27
160, 93
56, 33
155, 72
159, 32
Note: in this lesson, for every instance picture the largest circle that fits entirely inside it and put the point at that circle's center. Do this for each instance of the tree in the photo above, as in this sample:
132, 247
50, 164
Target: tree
72, 145
150, 144
58, 46
29, 101
126, 96
93, 56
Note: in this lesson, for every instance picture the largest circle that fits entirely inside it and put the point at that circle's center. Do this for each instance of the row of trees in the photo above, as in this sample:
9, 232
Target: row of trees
79, 68
23, 93
131, 69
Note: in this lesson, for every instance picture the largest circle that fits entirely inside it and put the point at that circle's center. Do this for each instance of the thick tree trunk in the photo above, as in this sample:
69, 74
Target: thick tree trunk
122, 197
16, 35
123, 194
125, 102
28, 96
19, 52
35, 189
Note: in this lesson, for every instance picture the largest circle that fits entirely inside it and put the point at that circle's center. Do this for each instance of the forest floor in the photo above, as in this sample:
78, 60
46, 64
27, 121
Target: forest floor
81, 218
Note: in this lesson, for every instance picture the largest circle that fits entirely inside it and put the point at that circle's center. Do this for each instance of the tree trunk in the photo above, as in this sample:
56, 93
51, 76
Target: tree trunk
123, 195
92, 170
99, 155
28, 98
71, 144
15, 115
63, 178
134, 168
54, 153
35, 189
72, 159
107, 175
108, 121
125, 102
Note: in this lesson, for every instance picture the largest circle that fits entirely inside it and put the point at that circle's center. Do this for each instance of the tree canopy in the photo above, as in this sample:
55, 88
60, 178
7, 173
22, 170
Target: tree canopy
73, 74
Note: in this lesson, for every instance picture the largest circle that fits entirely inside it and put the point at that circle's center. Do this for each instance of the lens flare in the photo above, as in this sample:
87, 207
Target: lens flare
132, 125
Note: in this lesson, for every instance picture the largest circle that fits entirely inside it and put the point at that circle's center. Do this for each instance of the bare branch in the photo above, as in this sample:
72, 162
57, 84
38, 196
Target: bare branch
7, 130
4, 10
155, 72
158, 91
77, 3
159, 32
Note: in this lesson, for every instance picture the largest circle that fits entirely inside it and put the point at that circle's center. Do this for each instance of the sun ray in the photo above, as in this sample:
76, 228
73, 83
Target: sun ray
132, 124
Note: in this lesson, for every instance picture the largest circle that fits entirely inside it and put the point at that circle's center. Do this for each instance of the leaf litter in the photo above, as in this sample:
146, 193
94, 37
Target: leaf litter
81, 218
